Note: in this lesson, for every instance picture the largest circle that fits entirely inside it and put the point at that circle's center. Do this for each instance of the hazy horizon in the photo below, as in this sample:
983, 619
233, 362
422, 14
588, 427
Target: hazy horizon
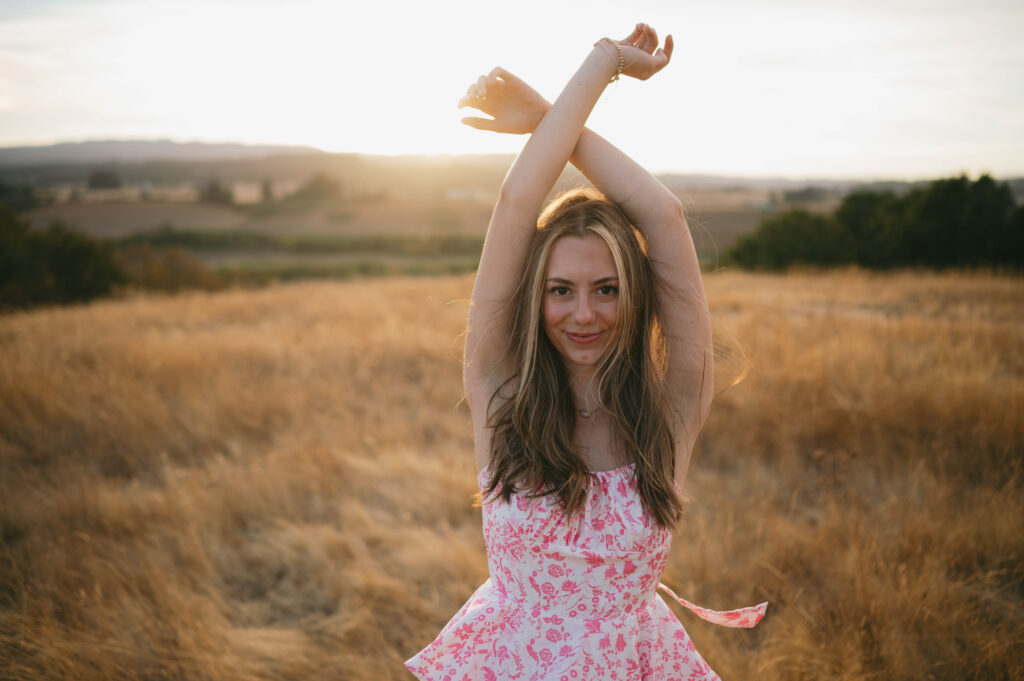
755, 177
905, 90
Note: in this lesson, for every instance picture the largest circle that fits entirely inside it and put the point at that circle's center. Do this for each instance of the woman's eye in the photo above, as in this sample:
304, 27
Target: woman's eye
560, 290
608, 290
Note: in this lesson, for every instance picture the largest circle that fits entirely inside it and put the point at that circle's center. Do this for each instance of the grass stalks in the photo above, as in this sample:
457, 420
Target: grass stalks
276, 484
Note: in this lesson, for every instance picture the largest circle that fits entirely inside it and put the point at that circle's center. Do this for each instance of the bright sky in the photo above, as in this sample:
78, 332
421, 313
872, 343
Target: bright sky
851, 88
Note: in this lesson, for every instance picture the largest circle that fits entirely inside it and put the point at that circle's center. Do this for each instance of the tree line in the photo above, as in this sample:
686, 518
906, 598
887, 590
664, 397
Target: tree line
950, 223
60, 266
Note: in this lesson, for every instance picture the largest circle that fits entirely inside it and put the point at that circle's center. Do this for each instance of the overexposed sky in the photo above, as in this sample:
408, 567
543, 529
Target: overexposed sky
853, 88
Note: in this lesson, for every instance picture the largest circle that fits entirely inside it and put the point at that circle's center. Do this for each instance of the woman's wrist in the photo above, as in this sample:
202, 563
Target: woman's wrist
614, 52
604, 60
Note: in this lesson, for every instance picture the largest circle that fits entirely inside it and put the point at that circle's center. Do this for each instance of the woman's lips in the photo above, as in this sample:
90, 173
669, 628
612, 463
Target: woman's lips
583, 338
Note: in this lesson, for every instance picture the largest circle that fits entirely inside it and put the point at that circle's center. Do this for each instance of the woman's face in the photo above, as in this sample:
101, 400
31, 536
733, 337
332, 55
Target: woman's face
581, 299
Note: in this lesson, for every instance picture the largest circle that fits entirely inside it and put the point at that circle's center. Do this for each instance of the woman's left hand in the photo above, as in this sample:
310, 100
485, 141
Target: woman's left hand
640, 52
514, 106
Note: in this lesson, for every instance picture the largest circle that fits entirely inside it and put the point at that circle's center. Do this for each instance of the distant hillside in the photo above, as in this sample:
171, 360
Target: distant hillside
475, 176
724, 182
469, 175
128, 151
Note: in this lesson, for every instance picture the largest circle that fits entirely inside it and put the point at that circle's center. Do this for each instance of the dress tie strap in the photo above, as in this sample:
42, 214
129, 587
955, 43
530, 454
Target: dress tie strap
743, 618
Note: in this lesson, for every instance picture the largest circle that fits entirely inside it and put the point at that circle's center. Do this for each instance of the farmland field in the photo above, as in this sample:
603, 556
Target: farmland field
276, 484
384, 216
717, 219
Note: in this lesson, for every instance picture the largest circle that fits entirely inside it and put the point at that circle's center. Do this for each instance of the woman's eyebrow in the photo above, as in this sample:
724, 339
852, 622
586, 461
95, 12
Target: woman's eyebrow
596, 282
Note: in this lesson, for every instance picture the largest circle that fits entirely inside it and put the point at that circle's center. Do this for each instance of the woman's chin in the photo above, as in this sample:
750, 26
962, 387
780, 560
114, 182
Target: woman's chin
582, 360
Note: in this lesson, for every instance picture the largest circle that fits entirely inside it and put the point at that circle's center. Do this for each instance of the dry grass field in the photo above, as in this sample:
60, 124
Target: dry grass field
276, 484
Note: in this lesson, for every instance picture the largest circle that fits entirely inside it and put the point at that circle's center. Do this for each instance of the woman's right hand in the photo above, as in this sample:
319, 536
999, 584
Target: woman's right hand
514, 106
640, 52
517, 108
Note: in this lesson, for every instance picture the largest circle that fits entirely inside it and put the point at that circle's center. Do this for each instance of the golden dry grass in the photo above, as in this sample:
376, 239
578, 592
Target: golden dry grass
276, 484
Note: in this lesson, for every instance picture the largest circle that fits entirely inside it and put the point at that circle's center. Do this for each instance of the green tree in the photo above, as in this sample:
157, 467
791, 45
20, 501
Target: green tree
1011, 240
871, 222
954, 223
790, 238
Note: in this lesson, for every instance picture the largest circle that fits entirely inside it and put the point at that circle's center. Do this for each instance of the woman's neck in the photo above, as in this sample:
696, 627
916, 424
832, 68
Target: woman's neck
584, 385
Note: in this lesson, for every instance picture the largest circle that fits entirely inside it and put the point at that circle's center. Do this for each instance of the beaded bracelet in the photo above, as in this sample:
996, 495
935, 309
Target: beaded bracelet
620, 63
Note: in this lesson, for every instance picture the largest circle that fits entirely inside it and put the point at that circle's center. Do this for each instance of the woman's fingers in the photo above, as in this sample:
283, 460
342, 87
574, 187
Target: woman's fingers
507, 76
472, 91
649, 39
474, 97
633, 37
479, 123
645, 58
476, 93
669, 46
663, 55
654, 38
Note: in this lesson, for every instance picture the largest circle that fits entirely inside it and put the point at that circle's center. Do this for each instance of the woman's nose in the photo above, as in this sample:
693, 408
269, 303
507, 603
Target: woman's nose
584, 310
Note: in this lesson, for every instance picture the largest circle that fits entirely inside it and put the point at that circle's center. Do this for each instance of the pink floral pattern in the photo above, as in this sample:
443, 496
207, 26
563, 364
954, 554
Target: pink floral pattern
572, 601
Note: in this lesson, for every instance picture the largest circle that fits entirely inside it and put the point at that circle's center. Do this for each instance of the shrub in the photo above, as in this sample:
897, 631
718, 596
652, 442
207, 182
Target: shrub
54, 266
792, 237
165, 269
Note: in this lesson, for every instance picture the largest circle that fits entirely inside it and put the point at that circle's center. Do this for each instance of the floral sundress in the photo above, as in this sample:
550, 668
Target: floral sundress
572, 601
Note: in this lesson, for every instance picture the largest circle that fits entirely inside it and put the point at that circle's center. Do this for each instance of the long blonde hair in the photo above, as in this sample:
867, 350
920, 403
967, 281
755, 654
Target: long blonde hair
533, 416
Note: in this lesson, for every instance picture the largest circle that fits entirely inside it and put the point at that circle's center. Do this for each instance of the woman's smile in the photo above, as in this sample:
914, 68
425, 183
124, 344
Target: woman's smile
583, 338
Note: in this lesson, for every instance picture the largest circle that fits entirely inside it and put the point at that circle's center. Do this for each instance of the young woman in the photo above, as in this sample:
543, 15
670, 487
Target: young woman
588, 372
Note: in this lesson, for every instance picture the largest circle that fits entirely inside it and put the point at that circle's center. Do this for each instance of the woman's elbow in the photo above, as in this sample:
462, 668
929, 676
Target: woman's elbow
671, 211
511, 198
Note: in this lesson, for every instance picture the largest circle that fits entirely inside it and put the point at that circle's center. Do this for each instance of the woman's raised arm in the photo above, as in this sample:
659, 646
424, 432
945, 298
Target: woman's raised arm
519, 202
686, 321
658, 214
